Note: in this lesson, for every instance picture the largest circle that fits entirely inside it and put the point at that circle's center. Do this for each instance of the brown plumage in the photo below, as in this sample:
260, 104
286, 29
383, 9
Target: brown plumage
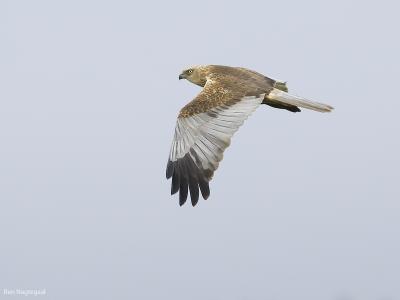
205, 125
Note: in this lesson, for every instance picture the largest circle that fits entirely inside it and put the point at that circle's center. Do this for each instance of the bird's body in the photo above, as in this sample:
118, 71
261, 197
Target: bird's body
206, 124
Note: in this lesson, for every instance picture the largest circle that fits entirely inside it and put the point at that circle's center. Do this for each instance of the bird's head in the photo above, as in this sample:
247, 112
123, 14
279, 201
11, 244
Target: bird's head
195, 74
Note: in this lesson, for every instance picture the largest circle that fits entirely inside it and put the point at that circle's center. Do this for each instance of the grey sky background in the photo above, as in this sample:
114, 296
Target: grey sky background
303, 206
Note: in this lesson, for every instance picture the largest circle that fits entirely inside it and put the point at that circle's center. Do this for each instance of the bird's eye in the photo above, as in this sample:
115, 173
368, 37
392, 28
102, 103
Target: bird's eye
190, 71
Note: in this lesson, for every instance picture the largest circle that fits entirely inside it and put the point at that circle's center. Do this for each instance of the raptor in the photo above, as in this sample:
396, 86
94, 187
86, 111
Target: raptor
205, 125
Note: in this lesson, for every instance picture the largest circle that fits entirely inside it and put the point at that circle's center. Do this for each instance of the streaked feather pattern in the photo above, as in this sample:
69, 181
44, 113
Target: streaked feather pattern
199, 143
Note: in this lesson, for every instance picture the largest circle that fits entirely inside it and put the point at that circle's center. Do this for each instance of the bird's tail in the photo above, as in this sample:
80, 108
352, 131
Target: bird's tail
281, 96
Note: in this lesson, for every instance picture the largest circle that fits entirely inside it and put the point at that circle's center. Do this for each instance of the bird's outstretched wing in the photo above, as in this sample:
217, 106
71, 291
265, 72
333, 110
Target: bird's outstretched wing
203, 131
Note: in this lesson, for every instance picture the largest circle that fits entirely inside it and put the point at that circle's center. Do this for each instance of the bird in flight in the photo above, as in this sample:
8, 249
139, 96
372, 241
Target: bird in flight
205, 125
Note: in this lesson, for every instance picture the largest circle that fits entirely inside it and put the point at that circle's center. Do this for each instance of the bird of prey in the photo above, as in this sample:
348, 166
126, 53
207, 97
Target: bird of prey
205, 125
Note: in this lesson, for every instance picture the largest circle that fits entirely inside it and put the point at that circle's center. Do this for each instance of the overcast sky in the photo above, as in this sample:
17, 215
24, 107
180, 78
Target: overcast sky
303, 206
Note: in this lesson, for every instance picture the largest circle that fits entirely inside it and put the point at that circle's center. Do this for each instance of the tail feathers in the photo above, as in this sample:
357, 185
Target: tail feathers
281, 96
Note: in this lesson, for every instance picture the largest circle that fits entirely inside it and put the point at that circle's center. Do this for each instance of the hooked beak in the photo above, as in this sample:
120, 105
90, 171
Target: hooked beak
181, 76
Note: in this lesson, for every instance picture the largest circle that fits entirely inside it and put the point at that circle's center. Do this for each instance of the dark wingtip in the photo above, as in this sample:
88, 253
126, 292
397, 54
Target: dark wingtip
205, 189
183, 189
188, 177
175, 183
194, 189
205, 197
194, 196
170, 169
182, 197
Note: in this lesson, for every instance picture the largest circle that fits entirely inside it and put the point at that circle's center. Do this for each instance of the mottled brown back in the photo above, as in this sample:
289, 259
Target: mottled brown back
226, 86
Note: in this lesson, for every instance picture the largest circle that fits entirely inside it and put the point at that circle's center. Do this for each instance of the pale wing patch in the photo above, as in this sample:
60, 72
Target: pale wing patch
199, 143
